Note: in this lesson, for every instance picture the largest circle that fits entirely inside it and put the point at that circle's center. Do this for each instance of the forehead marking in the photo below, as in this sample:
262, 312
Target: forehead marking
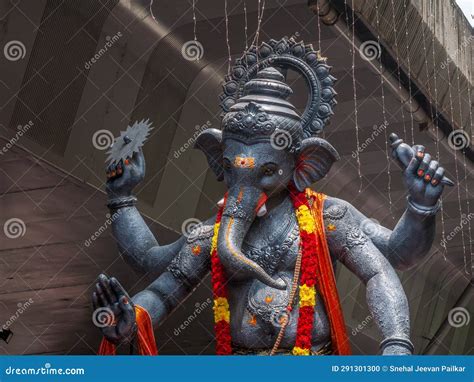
244, 162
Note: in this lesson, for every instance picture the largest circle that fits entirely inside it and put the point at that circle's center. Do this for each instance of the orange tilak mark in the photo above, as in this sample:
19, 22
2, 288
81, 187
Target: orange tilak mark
268, 299
244, 162
196, 250
331, 227
252, 320
240, 196
127, 162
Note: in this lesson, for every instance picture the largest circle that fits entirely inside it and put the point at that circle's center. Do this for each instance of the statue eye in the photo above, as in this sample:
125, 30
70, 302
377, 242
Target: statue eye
227, 164
269, 172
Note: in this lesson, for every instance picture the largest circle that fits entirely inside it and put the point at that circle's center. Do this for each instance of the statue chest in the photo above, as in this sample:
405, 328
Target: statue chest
274, 248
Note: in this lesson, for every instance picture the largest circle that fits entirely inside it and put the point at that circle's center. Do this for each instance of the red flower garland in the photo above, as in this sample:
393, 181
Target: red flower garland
310, 250
221, 307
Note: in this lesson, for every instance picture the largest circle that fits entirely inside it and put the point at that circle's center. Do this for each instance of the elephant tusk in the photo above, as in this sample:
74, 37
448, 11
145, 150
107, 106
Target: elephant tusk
262, 211
220, 203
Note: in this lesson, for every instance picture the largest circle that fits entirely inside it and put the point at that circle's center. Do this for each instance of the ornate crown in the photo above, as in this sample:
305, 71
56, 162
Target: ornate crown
254, 101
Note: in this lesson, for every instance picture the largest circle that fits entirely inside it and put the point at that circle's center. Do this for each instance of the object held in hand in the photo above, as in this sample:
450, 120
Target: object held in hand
404, 154
129, 142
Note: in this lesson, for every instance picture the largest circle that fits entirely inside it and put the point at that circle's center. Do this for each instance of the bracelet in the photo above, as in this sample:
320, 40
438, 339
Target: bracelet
128, 201
403, 342
423, 210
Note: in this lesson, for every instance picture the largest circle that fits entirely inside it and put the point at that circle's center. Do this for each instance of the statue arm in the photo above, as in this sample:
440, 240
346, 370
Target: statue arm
135, 241
159, 299
385, 295
184, 273
412, 237
405, 245
137, 244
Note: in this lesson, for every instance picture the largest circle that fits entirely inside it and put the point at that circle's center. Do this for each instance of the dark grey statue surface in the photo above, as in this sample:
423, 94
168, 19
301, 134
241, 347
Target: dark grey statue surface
263, 147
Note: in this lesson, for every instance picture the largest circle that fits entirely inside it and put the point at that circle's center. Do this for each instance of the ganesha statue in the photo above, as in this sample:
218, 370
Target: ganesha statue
273, 245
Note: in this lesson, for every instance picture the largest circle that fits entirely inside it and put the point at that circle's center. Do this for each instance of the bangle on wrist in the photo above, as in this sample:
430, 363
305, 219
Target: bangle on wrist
403, 342
423, 210
120, 202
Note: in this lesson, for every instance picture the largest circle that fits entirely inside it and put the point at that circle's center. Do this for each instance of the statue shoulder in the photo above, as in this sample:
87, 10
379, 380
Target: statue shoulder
193, 260
342, 224
336, 209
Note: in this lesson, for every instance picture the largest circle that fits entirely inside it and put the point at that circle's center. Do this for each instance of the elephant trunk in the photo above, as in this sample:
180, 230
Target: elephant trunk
242, 206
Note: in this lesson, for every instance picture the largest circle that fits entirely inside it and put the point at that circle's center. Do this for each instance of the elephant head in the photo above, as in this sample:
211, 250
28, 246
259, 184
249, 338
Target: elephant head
260, 151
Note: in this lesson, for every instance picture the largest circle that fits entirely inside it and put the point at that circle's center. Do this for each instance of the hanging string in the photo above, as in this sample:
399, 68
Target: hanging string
260, 10
458, 188
194, 20
355, 93
438, 156
409, 71
385, 122
319, 30
455, 152
395, 32
227, 36
466, 189
246, 27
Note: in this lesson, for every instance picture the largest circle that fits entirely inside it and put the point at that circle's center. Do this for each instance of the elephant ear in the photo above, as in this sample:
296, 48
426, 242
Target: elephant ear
210, 143
315, 158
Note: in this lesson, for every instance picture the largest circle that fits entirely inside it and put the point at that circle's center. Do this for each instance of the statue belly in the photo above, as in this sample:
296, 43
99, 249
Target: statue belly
256, 313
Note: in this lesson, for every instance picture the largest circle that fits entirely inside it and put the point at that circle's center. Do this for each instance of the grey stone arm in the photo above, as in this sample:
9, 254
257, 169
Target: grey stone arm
184, 273
137, 244
405, 245
409, 242
385, 296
